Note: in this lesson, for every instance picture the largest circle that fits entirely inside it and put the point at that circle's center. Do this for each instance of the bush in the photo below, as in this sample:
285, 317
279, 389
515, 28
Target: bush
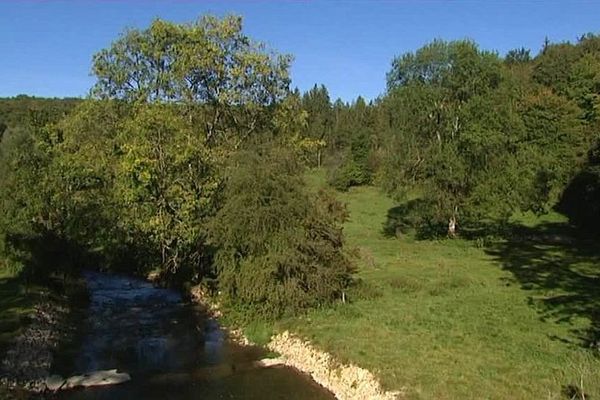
349, 174
581, 199
416, 216
278, 249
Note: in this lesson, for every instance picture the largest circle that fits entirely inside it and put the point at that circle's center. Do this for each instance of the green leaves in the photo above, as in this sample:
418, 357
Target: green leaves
189, 96
477, 137
278, 249
458, 66
165, 182
209, 63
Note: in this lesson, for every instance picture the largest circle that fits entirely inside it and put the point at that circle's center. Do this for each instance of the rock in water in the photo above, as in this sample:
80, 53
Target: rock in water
269, 362
98, 378
55, 382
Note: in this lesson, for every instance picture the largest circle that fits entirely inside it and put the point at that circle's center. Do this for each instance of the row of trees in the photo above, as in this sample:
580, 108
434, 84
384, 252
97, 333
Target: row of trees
185, 160
188, 156
471, 137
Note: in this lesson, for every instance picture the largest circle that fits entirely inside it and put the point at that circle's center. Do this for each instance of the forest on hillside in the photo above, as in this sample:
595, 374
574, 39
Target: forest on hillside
188, 160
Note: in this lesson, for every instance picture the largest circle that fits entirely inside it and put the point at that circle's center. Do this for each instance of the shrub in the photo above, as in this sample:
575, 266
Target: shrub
349, 174
416, 216
278, 249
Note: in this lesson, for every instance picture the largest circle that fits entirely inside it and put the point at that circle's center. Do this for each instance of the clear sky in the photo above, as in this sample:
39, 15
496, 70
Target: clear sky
46, 46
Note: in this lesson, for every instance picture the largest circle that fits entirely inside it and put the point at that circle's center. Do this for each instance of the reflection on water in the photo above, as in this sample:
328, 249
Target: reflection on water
170, 350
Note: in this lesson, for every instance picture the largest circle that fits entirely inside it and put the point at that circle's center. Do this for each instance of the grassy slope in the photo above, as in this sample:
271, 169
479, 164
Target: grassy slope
15, 305
453, 321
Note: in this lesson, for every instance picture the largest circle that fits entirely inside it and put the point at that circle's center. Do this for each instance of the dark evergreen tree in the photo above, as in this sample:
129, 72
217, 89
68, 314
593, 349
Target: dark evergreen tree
319, 122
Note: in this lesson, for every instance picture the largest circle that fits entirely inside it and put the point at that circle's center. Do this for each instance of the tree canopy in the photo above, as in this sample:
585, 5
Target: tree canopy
187, 158
159, 171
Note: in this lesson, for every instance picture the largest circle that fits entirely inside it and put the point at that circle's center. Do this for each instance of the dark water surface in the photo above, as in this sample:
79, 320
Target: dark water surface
170, 350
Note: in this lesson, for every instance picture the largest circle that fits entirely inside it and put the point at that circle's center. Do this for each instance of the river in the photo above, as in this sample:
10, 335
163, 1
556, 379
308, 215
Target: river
170, 349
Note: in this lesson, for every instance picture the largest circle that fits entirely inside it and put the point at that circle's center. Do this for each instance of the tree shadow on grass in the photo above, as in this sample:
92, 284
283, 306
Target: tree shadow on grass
414, 217
561, 270
557, 264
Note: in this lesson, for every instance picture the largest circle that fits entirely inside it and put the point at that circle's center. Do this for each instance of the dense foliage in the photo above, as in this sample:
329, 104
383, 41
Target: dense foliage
156, 172
472, 138
279, 248
187, 159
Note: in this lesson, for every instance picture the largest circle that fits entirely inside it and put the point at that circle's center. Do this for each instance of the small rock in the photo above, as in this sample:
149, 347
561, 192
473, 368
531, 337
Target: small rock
55, 382
98, 378
269, 362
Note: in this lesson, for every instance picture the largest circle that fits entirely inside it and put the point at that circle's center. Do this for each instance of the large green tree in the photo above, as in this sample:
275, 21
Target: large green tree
317, 104
195, 93
224, 79
477, 137
280, 249
165, 184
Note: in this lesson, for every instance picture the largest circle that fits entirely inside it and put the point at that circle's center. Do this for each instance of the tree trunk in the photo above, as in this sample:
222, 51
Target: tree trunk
452, 224
452, 227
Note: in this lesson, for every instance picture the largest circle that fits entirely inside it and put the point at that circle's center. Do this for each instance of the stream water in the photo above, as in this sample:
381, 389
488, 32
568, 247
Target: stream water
170, 350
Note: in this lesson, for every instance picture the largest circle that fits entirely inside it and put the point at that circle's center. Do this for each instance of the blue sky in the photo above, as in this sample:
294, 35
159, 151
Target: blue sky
46, 46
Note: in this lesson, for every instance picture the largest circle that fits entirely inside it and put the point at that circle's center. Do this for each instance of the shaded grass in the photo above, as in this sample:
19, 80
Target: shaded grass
454, 321
16, 304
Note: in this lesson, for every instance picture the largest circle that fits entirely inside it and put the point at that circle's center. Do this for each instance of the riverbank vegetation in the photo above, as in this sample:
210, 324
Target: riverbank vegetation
150, 175
451, 272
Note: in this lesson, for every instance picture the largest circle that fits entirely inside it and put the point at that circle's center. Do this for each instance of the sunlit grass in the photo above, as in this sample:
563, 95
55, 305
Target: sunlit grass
452, 321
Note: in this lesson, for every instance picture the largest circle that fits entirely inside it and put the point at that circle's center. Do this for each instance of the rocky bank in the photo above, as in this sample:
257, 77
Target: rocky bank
345, 381
27, 362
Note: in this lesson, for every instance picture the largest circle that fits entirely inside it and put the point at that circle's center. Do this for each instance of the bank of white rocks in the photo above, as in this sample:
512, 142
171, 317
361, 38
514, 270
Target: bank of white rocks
346, 382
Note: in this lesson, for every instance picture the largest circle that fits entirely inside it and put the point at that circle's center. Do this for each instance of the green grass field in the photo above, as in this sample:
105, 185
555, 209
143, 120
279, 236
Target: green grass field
453, 320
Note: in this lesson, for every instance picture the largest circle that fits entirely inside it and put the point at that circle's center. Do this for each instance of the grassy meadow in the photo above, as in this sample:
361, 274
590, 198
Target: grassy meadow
454, 319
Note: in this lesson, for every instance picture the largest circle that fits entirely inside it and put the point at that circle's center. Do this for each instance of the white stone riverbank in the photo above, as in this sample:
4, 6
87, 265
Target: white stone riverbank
346, 382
